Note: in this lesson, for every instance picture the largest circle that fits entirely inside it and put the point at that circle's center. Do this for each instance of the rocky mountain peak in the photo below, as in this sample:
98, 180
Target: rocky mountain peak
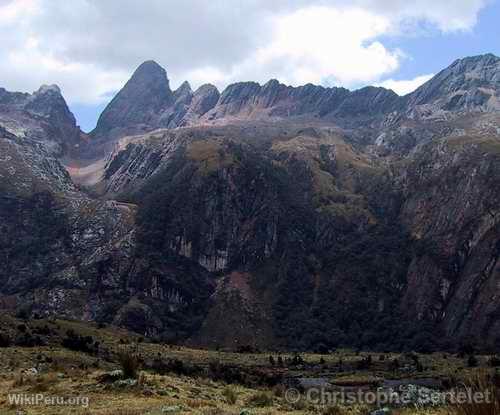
146, 102
139, 103
204, 99
42, 116
48, 89
471, 83
149, 72
472, 63
48, 101
183, 90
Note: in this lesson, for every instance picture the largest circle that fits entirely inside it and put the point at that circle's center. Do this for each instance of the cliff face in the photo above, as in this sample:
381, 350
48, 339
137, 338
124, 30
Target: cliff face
451, 210
138, 104
63, 253
315, 216
146, 103
469, 84
42, 116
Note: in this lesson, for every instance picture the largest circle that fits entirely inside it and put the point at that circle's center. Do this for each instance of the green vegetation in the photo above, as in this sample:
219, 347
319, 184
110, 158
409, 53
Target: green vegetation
201, 381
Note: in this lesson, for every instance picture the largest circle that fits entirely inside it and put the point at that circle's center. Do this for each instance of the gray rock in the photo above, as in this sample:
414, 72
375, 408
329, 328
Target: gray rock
381, 411
171, 409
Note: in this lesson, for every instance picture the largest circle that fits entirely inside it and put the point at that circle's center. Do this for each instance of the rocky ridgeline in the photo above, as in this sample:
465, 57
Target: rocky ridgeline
146, 102
42, 116
311, 215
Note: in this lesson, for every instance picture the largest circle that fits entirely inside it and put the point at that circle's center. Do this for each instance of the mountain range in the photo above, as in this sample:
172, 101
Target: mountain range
263, 216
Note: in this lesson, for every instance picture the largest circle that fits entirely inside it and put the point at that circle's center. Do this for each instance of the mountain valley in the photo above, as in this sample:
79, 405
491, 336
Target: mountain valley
262, 216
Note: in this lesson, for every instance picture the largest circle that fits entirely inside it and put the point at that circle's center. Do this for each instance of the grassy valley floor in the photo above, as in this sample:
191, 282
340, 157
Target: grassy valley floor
114, 372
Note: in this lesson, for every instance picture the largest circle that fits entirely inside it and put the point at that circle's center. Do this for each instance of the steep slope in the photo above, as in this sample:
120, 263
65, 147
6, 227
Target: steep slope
469, 84
146, 103
279, 213
139, 104
42, 116
63, 253
316, 217
451, 209
300, 220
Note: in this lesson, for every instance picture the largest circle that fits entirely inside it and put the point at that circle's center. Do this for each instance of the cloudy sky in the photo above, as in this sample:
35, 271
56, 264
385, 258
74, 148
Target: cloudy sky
90, 47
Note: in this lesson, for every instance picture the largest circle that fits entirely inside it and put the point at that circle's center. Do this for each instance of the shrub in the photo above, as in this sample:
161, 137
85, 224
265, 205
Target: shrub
394, 364
28, 340
23, 314
297, 360
175, 366
365, 363
4, 340
221, 372
494, 361
74, 341
247, 349
472, 361
129, 364
42, 331
230, 395
22, 328
19, 380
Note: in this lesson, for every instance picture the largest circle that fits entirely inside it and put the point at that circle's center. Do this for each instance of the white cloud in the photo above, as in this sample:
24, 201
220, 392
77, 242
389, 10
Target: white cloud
10, 11
318, 42
27, 68
90, 47
404, 87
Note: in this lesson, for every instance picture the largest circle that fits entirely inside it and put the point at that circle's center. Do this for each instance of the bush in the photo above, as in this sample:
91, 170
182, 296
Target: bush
249, 349
297, 360
472, 361
221, 372
494, 361
5, 340
129, 364
42, 331
394, 364
365, 363
79, 343
28, 340
23, 314
176, 366
230, 395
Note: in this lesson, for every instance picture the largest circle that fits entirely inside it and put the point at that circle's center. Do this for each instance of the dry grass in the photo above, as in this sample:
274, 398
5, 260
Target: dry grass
230, 395
482, 383
488, 144
197, 396
261, 400
210, 155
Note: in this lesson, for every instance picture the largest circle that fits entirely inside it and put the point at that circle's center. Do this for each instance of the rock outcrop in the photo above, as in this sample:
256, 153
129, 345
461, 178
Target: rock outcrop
63, 253
147, 103
315, 216
470, 84
139, 104
43, 116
